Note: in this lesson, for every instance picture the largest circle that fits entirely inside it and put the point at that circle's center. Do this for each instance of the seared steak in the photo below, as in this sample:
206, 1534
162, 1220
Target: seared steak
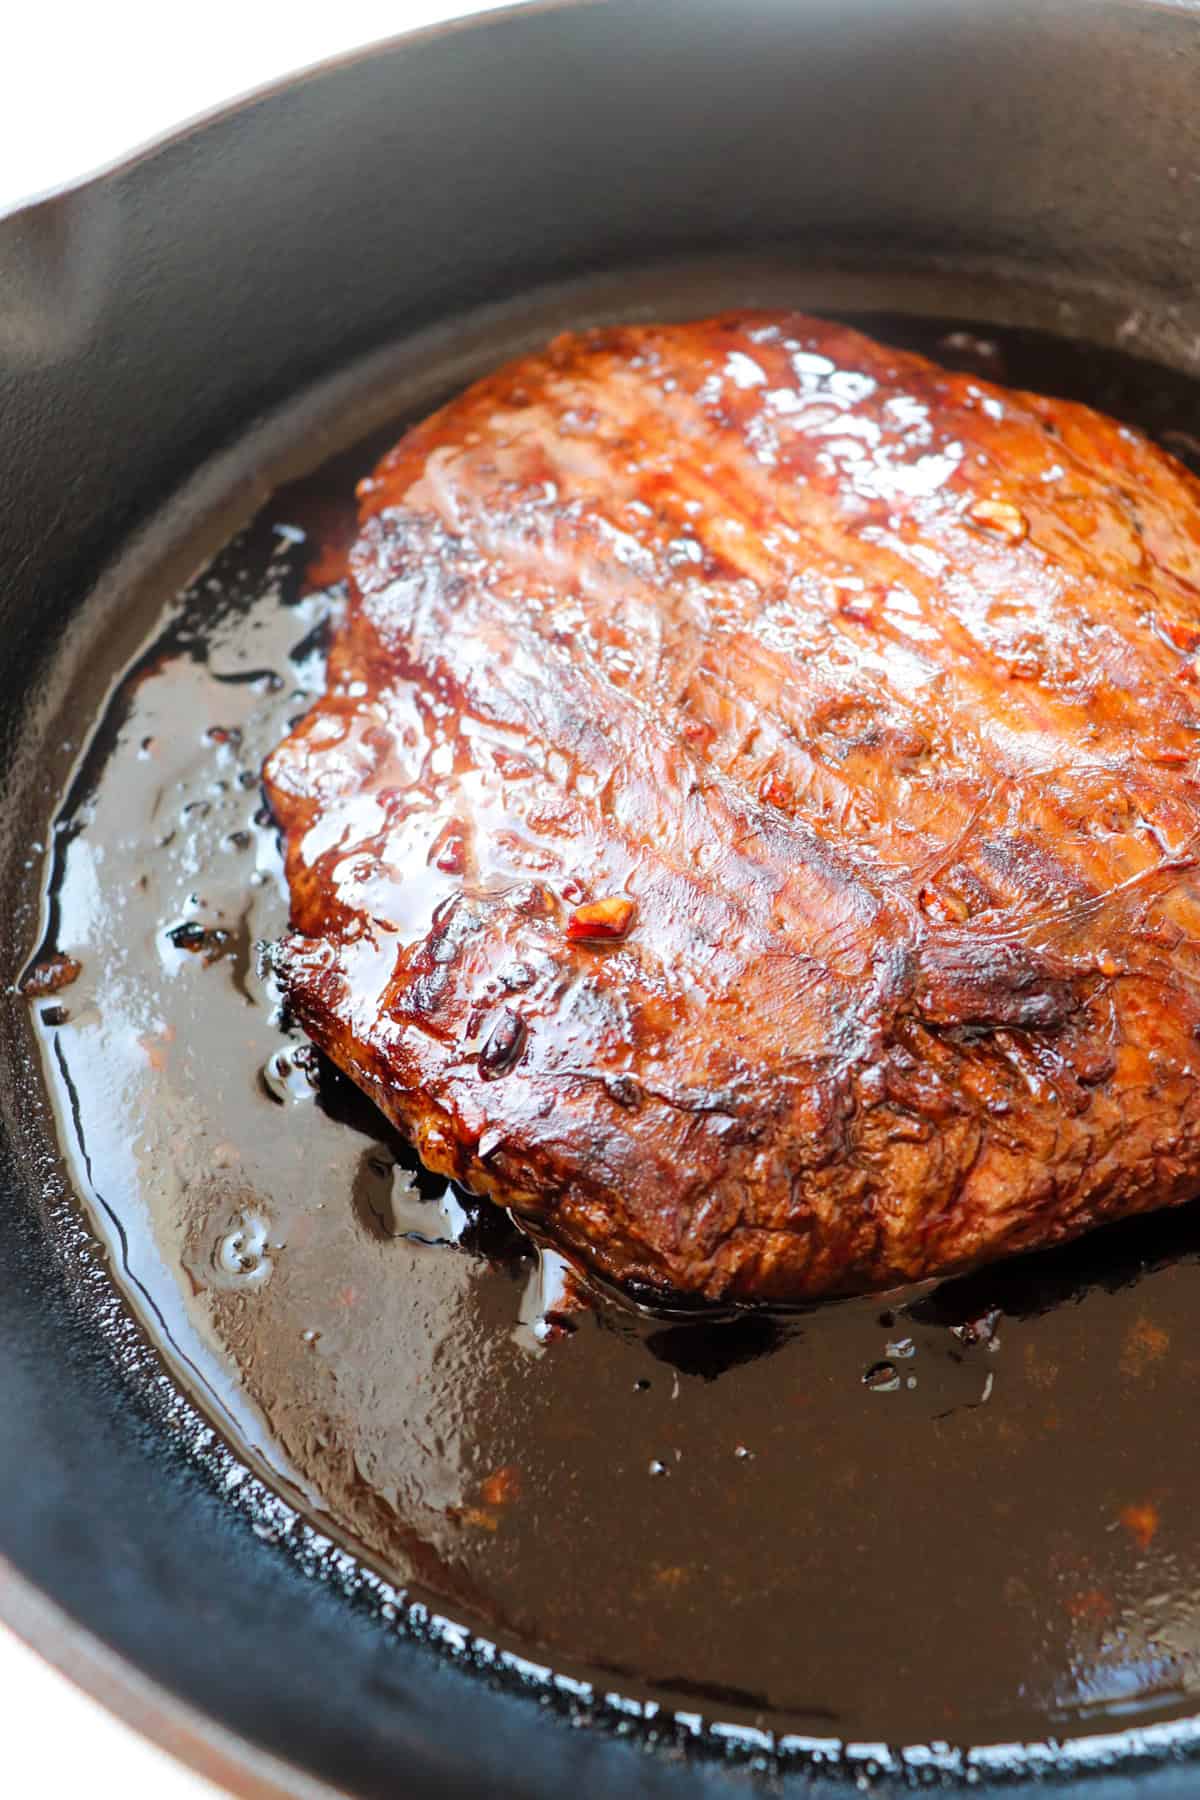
751, 827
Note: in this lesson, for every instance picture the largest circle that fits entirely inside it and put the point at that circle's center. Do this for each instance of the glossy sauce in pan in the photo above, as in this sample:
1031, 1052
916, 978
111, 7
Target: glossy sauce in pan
966, 1515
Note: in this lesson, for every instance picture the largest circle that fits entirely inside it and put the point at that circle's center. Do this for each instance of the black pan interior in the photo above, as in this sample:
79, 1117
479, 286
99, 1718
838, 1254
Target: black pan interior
144, 332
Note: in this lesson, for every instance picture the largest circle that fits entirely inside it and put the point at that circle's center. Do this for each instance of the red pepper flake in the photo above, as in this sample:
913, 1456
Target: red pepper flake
944, 905
1145, 1345
155, 1044
531, 899
773, 790
1091, 1607
449, 850
858, 608
1141, 1522
599, 920
1183, 637
1002, 517
501, 1487
670, 1575
50, 975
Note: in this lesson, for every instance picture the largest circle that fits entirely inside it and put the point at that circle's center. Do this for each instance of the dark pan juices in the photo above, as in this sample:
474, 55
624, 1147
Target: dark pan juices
967, 1515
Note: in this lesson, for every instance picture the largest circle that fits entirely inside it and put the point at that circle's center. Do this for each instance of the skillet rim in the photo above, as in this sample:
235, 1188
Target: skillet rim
198, 122
172, 1724
193, 1737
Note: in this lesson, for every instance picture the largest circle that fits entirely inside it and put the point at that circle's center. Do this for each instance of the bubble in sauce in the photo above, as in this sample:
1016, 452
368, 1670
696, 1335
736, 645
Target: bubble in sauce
240, 1256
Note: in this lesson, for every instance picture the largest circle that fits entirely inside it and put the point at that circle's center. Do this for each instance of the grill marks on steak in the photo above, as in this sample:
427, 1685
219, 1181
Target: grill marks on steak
872, 688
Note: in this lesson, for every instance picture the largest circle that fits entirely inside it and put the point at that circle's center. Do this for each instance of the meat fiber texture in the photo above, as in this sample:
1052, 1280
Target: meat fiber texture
750, 829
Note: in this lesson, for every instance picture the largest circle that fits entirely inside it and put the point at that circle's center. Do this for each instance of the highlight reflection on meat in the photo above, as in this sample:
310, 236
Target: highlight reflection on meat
751, 825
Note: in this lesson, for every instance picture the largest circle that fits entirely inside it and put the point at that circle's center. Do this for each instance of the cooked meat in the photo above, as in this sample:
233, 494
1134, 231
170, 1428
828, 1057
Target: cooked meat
751, 827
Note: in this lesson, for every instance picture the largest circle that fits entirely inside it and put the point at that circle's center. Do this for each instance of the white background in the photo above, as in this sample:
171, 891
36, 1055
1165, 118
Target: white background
80, 84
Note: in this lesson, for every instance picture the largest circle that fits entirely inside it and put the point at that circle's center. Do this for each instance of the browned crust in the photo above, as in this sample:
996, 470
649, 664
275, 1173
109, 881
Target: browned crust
873, 688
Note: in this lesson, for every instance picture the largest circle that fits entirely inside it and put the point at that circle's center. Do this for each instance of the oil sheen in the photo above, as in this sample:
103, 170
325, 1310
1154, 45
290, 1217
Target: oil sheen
964, 1515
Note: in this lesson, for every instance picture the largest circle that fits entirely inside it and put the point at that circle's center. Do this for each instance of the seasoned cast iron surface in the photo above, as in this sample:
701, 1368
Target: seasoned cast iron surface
964, 1514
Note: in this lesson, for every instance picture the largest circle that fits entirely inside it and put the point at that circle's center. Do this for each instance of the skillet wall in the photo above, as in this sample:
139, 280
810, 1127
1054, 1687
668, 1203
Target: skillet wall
149, 317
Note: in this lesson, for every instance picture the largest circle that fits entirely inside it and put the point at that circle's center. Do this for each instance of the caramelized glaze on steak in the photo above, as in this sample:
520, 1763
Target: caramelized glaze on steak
751, 827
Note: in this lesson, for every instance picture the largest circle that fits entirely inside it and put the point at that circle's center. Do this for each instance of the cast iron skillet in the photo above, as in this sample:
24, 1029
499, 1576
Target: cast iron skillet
155, 317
